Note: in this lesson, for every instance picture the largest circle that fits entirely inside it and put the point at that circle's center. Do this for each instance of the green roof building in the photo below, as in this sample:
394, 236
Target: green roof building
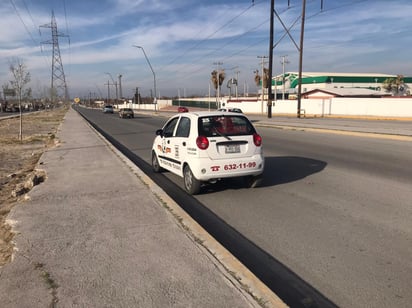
288, 83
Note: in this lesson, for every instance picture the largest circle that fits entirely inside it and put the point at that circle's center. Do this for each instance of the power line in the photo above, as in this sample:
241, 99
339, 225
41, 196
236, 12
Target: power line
209, 54
67, 31
22, 21
188, 75
65, 17
211, 35
341, 6
28, 11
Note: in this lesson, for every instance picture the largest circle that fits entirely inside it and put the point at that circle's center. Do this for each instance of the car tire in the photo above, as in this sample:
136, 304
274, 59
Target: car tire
253, 181
192, 185
155, 163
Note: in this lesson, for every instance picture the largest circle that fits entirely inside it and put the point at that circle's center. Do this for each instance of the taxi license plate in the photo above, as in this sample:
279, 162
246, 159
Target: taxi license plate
233, 148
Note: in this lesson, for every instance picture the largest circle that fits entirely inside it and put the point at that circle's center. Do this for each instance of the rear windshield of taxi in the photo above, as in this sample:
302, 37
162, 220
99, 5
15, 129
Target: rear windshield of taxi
211, 126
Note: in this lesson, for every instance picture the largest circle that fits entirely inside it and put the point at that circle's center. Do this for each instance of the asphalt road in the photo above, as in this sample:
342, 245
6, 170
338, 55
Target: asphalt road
336, 210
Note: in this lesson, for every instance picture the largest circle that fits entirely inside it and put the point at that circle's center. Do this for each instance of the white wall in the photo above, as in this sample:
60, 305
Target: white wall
161, 103
383, 107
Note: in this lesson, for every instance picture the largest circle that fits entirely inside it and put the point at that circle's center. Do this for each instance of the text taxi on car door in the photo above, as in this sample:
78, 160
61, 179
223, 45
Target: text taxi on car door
207, 146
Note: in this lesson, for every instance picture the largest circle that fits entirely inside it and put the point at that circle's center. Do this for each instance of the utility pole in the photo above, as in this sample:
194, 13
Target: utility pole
137, 97
115, 84
262, 63
302, 31
299, 48
209, 96
120, 86
237, 82
108, 91
269, 103
283, 62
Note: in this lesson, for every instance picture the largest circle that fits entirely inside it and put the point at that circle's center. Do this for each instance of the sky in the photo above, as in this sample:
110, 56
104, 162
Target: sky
185, 40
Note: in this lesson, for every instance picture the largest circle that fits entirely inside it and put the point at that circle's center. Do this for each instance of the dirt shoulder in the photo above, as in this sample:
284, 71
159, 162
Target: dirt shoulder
18, 160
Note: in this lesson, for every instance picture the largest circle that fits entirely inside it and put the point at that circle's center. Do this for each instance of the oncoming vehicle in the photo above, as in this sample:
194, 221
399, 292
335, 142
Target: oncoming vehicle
208, 146
238, 110
108, 109
182, 109
126, 113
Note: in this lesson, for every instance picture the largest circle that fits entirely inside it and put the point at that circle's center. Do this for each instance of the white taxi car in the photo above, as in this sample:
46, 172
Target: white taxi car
207, 146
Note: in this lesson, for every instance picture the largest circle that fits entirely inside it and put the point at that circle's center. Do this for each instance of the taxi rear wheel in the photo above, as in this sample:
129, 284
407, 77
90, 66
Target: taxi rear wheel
155, 163
253, 181
192, 185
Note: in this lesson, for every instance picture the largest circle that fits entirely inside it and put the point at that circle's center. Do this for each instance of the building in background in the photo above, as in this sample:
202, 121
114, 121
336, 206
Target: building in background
342, 84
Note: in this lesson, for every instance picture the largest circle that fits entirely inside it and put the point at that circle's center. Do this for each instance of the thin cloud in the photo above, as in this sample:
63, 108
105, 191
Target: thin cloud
183, 38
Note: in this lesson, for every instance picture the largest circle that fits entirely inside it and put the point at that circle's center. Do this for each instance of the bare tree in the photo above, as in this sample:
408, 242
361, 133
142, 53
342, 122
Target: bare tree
21, 79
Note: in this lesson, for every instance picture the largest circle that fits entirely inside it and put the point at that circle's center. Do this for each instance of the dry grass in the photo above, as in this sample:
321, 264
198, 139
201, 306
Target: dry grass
18, 160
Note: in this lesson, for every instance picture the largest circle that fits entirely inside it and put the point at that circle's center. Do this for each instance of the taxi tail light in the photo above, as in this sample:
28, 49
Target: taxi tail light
202, 142
257, 140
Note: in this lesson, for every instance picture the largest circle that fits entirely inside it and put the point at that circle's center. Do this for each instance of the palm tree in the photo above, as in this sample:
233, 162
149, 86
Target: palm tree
394, 85
214, 79
221, 75
266, 78
257, 78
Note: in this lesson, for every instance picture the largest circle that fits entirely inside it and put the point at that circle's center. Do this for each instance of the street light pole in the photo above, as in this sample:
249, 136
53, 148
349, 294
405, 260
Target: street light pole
154, 75
284, 61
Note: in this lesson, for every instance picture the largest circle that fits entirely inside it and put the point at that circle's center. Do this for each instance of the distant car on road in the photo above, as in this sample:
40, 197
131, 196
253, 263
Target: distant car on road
238, 110
182, 109
108, 109
126, 113
208, 146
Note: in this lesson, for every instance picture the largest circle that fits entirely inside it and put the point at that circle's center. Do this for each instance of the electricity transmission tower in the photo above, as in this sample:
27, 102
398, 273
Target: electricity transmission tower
58, 79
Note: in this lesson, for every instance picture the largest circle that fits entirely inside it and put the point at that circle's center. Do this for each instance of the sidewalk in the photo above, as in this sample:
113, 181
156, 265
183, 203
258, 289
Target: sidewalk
99, 233
384, 127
